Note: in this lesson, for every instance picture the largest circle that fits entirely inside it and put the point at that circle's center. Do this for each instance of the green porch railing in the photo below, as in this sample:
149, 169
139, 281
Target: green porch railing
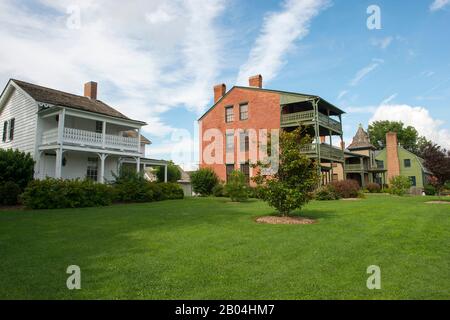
326, 152
297, 117
308, 116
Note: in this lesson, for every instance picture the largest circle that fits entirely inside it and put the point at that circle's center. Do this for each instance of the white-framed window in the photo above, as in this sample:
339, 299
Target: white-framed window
92, 169
229, 141
8, 130
99, 126
243, 111
229, 115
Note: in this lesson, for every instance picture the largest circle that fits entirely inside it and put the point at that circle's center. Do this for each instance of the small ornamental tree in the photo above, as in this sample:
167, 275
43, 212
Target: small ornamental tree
236, 186
399, 185
292, 185
203, 181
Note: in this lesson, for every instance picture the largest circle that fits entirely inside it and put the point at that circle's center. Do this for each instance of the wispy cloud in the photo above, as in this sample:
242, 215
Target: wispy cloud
389, 99
147, 56
342, 94
382, 43
362, 73
438, 4
279, 32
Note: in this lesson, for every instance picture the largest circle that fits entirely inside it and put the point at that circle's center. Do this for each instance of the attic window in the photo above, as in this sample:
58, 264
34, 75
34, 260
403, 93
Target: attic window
407, 163
8, 130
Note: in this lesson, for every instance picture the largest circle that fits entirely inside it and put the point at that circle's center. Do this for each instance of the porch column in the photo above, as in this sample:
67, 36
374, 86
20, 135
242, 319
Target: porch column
165, 173
138, 164
102, 157
61, 120
103, 134
58, 163
38, 171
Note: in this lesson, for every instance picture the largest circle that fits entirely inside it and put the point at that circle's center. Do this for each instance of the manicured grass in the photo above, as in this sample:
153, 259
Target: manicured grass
212, 249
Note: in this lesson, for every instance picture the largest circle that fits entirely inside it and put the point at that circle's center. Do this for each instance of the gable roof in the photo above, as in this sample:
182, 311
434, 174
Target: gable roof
60, 98
306, 96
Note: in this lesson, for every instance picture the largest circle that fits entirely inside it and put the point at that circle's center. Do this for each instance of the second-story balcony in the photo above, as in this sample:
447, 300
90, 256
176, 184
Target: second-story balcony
307, 118
90, 132
85, 138
327, 152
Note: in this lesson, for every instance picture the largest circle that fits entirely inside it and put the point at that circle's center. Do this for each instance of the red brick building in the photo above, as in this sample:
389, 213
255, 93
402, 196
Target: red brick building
253, 109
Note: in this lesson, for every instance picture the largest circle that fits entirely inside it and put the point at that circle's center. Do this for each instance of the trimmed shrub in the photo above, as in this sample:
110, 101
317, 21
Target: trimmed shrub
374, 187
16, 166
131, 186
9, 193
203, 181
236, 186
219, 190
169, 191
346, 188
255, 192
429, 190
400, 185
56, 193
326, 193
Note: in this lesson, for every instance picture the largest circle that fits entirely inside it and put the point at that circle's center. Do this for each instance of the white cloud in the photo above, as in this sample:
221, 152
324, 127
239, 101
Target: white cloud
144, 65
279, 32
438, 4
362, 73
382, 43
418, 117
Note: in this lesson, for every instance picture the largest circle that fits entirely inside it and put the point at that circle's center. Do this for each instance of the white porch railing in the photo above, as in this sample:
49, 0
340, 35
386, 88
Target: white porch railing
91, 139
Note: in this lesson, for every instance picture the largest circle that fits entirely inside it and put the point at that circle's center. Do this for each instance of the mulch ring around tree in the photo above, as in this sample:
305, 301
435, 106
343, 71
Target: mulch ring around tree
284, 220
438, 202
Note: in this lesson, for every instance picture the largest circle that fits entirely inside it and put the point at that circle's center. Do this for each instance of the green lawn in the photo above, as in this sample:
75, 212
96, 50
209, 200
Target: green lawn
212, 249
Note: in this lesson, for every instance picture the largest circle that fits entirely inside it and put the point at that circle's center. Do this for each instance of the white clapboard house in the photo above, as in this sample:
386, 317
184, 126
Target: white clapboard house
71, 136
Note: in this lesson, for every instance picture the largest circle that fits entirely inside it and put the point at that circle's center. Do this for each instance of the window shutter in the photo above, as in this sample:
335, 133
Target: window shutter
11, 128
5, 130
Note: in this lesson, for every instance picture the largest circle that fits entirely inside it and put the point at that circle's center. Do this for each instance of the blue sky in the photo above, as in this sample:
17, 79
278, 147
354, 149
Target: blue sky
158, 60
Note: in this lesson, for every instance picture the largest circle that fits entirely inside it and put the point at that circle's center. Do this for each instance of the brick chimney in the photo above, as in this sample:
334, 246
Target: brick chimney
90, 90
219, 91
393, 163
255, 81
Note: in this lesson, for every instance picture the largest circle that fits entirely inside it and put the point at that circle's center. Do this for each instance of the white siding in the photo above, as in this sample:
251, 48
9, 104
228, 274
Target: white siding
23, 109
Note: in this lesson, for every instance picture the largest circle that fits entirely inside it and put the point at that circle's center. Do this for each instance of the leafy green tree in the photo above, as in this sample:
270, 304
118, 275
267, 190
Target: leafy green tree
399, 185
203, 181
173, 173
237, 187
292, 185
16, 166
408, 136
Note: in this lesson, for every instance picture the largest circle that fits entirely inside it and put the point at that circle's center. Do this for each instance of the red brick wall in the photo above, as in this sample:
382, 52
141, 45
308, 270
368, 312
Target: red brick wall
263, 113
393, 163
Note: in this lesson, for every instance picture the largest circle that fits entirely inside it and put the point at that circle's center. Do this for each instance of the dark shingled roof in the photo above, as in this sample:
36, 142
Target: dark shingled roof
360, 140
60, 98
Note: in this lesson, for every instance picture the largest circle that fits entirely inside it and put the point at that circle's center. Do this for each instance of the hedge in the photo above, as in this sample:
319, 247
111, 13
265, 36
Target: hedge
57, 193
